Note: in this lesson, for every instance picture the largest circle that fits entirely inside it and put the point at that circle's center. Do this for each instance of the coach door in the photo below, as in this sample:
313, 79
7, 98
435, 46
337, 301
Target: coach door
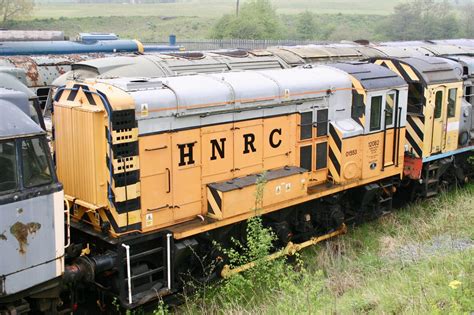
438, 134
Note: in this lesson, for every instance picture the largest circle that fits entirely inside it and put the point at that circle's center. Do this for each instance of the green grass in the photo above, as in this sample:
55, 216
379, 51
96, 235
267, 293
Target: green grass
209, 8
153, 28
367, 270
146, 29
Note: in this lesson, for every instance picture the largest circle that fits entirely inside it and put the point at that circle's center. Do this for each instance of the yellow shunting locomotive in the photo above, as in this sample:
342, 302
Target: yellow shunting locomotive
158, 169
438, 142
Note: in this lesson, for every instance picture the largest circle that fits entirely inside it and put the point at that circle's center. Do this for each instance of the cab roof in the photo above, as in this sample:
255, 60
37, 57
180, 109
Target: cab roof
432, 70
371, 76
14, 122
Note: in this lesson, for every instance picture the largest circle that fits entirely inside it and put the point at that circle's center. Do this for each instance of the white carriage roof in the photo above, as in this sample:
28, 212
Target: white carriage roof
246, 88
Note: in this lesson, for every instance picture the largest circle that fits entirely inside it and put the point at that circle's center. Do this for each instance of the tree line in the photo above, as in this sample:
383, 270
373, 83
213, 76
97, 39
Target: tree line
416, 19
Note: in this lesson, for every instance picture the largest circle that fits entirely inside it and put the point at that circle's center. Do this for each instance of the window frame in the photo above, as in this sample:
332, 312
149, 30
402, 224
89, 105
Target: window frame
357, 109
438, 110
394, 108
381, 117
452, 105
17, 172
44, 146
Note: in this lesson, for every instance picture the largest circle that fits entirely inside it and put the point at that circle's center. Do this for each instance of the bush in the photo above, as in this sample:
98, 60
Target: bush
257, 20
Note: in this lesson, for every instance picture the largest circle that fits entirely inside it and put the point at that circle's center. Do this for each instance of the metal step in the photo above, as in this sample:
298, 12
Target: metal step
433, 167
148, 273
385, 199
431, 193
146, 253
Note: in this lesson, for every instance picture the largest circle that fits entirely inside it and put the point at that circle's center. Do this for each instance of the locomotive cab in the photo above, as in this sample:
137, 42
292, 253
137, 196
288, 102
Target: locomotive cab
435, 153
434, 103
466, 128
31, 206
379, 102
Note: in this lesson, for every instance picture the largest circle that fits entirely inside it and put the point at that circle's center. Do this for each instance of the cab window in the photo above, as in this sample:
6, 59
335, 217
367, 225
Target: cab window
389, 106
357, 109
8, 173
375, 113
35, 163
438, 104
415, 98
452, 103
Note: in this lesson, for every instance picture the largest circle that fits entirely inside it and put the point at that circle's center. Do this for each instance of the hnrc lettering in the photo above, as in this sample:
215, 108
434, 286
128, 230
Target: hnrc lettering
249, 139
272, 140
218, 148
186, 155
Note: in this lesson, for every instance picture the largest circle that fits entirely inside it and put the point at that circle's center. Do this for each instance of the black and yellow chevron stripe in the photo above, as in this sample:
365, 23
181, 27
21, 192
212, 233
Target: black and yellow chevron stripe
415, 134
335, 154
214, 202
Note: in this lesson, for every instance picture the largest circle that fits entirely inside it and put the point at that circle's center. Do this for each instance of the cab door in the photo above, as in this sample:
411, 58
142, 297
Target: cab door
391, 106
438, 134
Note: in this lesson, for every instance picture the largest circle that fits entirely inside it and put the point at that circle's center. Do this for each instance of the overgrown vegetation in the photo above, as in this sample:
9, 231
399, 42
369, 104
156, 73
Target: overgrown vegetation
415, 260
257, 20
14, 9
416, 19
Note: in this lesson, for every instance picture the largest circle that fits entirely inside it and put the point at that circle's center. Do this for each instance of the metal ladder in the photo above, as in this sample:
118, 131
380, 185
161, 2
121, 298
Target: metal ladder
431, 180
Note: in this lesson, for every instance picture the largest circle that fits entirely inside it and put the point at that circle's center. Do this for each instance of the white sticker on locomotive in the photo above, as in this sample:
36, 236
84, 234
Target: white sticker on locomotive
453, 126
278, 190
144, 110
149, 219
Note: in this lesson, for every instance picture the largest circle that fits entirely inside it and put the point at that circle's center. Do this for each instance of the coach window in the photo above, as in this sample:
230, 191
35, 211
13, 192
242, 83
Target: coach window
390, 104
306, 126
35, 165
375, 113
452, 95
438, 104
8, 173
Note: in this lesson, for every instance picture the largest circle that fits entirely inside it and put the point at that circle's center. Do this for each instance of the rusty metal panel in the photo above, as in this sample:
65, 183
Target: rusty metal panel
43, 70
28, 240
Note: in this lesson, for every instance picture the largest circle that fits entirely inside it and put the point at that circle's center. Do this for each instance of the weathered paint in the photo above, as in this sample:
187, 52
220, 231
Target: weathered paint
21, 232
41, 71
33, 243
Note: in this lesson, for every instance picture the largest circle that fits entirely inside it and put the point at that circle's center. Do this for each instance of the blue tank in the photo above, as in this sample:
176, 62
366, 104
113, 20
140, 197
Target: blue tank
70, 47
